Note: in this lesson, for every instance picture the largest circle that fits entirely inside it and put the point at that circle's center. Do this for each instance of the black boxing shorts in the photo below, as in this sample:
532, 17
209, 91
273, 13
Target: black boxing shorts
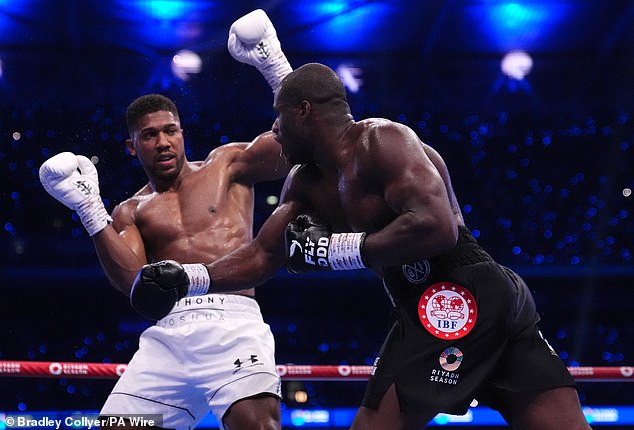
466, 328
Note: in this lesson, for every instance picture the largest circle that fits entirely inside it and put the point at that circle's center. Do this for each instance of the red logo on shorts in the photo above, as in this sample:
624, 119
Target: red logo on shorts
447, 310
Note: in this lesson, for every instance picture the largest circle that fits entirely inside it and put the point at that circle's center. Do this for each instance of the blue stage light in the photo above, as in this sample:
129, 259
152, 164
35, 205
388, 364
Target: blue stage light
166, 9
341, 25
173, 24
521, 25
9, 11
517, 16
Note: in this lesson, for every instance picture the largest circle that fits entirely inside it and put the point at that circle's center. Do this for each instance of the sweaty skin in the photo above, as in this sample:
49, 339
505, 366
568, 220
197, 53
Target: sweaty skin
373, 176
193, 212
382, 183
379, 178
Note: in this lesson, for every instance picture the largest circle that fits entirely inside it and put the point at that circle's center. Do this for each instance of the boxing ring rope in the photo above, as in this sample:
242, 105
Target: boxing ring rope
288, 372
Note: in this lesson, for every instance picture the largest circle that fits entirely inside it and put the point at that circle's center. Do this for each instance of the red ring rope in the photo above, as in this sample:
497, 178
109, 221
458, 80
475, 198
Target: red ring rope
288, 372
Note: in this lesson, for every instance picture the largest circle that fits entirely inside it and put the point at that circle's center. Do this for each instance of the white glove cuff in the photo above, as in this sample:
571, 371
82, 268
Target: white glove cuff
275, 69
344, 251
93, 214
199, 280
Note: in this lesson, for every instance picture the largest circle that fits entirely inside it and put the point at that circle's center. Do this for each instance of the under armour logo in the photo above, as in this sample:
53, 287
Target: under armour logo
294, 245
253, 359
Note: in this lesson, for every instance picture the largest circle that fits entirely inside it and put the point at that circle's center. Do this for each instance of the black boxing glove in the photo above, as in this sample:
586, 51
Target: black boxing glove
158, 286
311, 246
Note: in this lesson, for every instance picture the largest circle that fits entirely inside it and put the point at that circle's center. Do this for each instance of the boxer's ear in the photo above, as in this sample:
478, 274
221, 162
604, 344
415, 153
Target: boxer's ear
129, 146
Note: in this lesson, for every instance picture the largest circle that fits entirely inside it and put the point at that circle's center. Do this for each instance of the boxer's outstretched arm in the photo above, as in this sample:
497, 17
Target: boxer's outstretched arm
258, 261
248, 266
158, 285
260, 160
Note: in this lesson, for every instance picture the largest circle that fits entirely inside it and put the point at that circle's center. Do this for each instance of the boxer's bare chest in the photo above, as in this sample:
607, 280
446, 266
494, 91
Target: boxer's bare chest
202, 216
348, 202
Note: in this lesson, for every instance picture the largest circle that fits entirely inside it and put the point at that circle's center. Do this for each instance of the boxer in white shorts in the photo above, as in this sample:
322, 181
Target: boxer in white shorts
171, 374
194, 212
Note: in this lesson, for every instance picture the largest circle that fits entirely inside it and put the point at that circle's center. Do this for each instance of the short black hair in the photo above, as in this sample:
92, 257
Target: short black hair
147, 104
314, 82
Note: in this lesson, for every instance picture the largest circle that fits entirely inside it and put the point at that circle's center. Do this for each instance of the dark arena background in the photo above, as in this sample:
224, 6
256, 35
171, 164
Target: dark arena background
531, 104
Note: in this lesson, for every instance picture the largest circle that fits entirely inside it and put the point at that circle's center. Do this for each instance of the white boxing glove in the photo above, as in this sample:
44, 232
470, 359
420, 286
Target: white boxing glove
253, 40
73, 180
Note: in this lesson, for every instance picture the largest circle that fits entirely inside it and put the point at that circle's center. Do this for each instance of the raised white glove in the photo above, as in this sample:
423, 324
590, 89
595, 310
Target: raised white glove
253, 40
73, 180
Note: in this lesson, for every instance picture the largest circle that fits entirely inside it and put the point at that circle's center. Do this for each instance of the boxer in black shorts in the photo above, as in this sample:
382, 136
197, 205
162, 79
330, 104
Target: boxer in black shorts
370, 194
465, 328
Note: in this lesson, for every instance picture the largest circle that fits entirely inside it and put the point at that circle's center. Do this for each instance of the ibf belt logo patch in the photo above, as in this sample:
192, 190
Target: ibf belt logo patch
447, 310
416, 273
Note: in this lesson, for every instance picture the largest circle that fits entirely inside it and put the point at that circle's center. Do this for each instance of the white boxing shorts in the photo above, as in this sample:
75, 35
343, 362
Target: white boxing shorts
208, 353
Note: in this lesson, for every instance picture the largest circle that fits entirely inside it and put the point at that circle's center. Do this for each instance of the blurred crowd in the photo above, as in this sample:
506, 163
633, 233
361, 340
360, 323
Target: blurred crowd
547, 195
545, 192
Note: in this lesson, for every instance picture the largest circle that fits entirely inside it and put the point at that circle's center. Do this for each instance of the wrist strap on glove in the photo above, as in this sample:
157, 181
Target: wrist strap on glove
199, 281
275, 68
344, 251
93, 214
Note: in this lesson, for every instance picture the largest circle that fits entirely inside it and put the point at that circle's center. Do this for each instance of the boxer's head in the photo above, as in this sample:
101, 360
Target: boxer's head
309, 92
146, 104
156, 137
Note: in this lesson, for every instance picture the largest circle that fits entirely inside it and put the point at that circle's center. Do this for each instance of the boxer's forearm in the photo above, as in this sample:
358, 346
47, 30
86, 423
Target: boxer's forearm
409, 238
118, 261
247, 267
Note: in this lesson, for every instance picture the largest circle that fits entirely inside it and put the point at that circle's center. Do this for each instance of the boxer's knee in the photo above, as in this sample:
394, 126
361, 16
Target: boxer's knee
258, 413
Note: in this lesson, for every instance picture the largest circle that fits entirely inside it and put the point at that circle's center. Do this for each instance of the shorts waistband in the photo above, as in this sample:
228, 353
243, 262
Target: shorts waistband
216, 301
466, 252
406, 282
211, 307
